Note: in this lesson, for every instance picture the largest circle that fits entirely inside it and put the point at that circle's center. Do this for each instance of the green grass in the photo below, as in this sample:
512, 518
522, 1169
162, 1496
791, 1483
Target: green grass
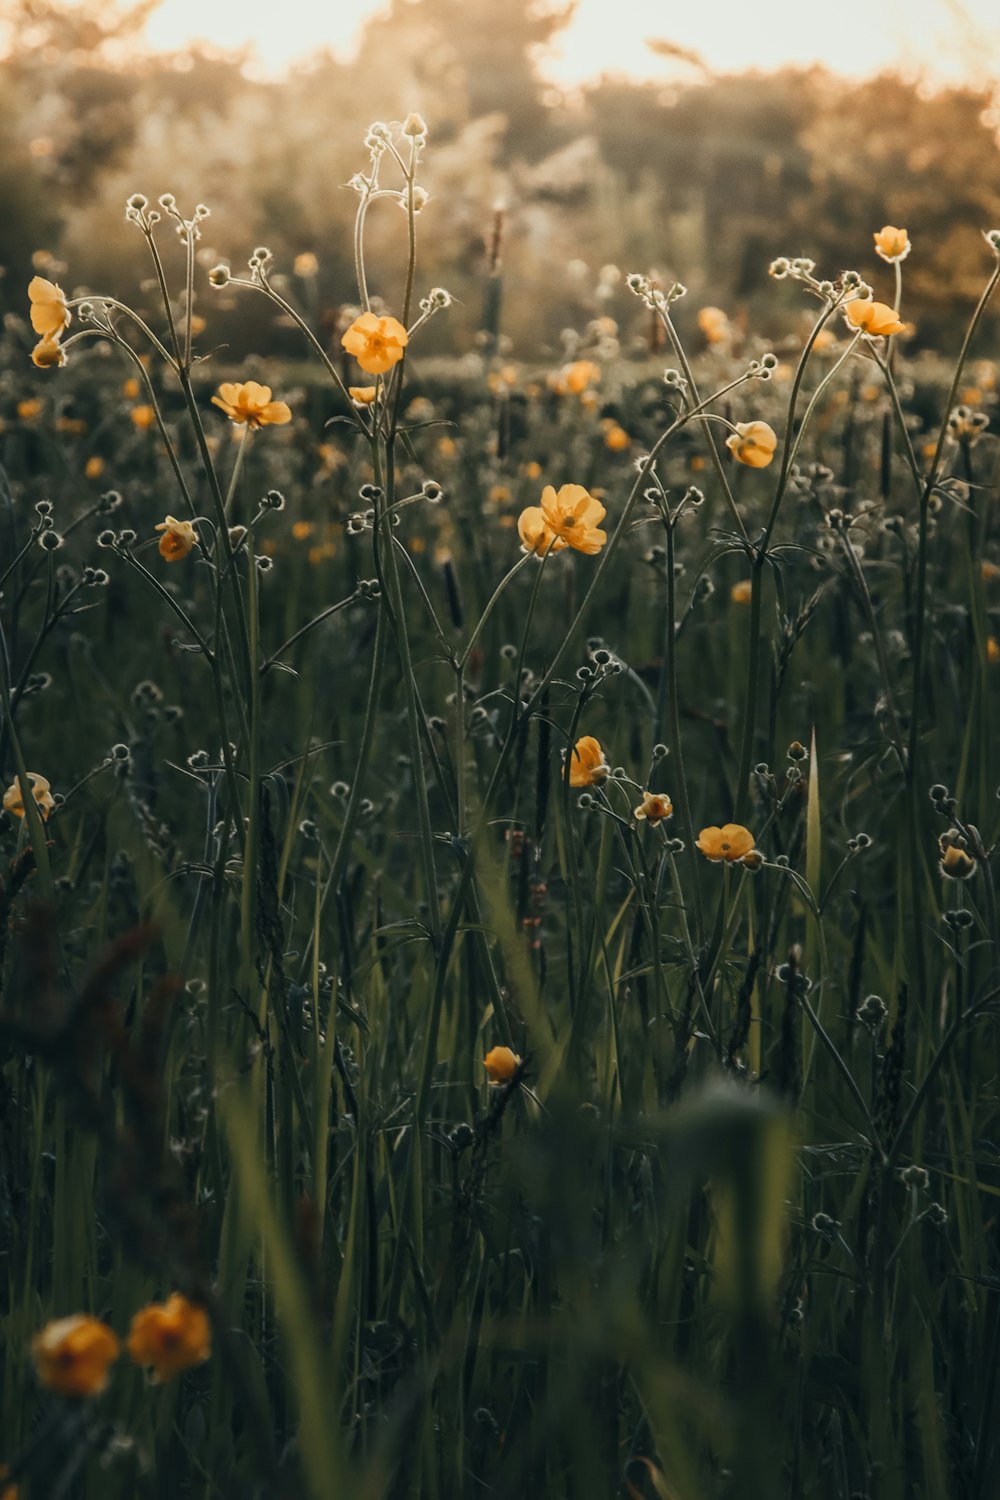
316, 852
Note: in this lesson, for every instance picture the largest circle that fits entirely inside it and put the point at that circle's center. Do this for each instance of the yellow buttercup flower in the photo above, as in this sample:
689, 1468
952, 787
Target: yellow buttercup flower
753, 443
251, 403
587, 765
48, 353
653, 809
143, 417
169, 1337
714, 324
874, 318
177, 540
94, 467
72, 1355
742, 592
49, 312
616, 438
41, 790
892, 244
730, 842
501, 1063
992, 650
568, 519
29, 409
305, 265
376, 343
573, 379
362, 395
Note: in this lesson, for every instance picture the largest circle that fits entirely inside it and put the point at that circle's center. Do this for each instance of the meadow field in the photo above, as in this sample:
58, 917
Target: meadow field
499, 960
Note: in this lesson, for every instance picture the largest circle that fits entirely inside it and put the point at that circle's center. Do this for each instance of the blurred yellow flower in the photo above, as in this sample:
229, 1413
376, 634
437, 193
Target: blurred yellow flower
251, 403
730, 842
568, 519
49, 313
753, 443
653, 808
301, 530
874, 318
305, 265
501, 1063
992, 650
94, 467
130, 388
892, 244
587, 765
362, 395
376, 343
72, 1355
48, 353
177, 540
742, 592
170, 1337
143, 417
616, 438
8, 1491
40, 790
714, 325
29, 409
989, 571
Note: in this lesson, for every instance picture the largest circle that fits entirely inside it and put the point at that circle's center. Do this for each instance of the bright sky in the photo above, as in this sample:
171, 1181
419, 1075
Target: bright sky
951, 39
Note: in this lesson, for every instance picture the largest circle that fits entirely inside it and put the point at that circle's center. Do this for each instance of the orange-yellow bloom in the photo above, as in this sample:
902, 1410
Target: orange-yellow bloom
94, 467
587, 765
892, 244
573, 379
8, 1491
730, 842
568, 519
753, 443
72, 1355
177, 540
714, 325
501, 1063
41, 791
170, 1337
742, 592
143, 417
48, 353
362, 395
616, 438
653, 808
251, 403
49, 313
992, 650
874, 318
376, 343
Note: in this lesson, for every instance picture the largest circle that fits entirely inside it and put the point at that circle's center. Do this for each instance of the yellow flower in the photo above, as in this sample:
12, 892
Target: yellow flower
362, 395
41, 791
49, 313
177, 540
730, 842
251, 403
956, 861
874, 318
170, 1337
616, 438
376, 343
301, 530
29, 409
48, 353
130, 388
892, 244
992, 650
714, 325
143, 417
989, 571
753, 443
568, 519
587, 765
653, 808
305, 265
501, 1064
742, 592
73, 1354
94, 467
573, 379
9, 1491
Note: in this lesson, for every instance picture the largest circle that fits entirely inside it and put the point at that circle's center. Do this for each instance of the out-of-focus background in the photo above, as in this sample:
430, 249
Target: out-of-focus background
616, 138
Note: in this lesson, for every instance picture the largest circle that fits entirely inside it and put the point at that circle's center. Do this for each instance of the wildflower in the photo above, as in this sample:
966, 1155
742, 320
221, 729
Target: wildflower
29, 409
742, 592
992, 650
305, 265
94, 467
41, 791
567, 519
573, 379
956, 861
48, 353
177, 540
616, 438
501, 1063
362, 395
989, 571
72, 1355
892, 244
8, 1491
169, 1337
143, 417
49, 312
714, 325
753, 443
251, 403
130, 388
874, 318
730, 842
587, 765
376, 343
653, 808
